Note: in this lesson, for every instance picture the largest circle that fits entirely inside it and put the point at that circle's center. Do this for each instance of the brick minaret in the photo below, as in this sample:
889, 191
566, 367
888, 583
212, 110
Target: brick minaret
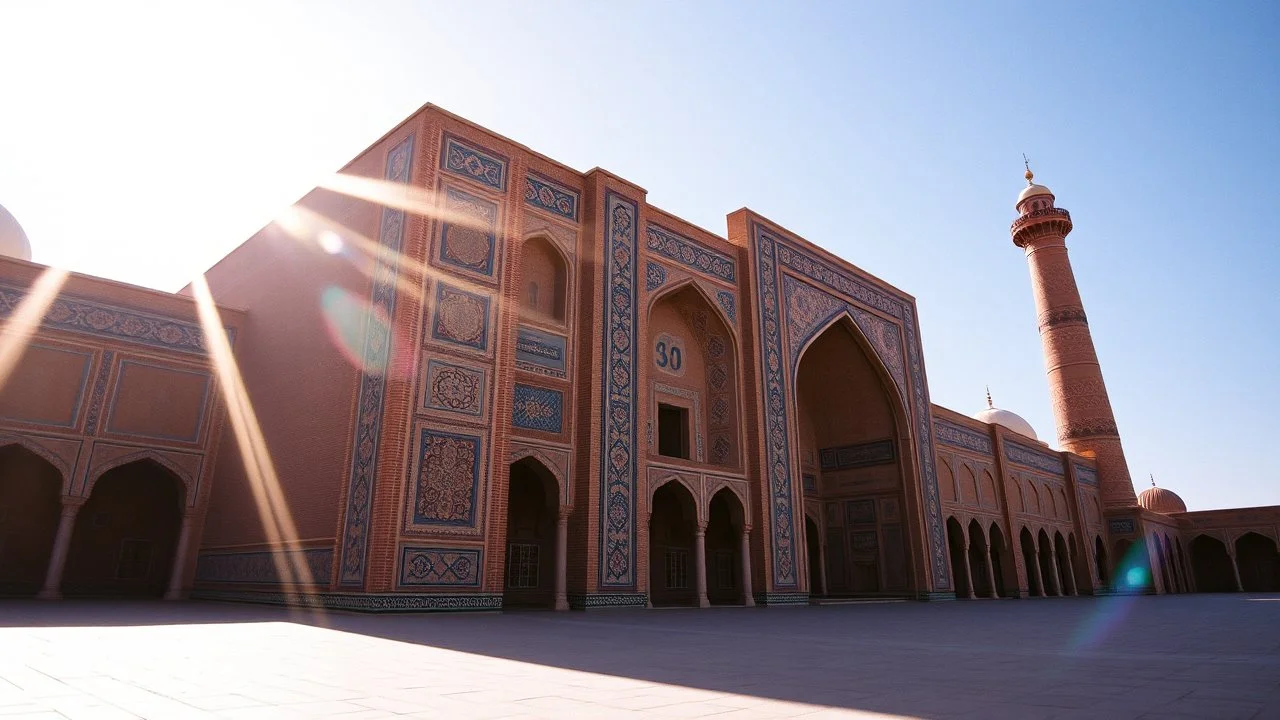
1081, 408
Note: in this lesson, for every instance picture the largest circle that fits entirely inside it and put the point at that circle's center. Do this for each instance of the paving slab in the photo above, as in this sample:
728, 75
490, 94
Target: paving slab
1193, 656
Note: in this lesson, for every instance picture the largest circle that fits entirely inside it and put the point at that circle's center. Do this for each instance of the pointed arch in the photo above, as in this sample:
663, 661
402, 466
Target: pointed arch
706, 295
553, 468
846, 317
688, 486
35, 448
555, 298
188, 482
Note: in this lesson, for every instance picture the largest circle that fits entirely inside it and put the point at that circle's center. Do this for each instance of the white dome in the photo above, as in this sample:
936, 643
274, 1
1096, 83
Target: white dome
13, 241
1031, 191
1012, 421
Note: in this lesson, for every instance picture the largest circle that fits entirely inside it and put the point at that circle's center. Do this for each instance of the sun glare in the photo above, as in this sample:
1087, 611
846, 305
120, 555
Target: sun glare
16, 334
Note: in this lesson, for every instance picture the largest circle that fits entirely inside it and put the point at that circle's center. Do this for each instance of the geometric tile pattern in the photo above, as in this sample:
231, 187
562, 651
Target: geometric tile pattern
654, 276
726, 300
538, 408
1086, 475
443, 567
455, 388
879, 452
1121, 525
446, 478
690, 253
90, 317
468, 235
482, 166
773, 255
461, 317
618, 371
374, 353
962, 437
1024, 455
544, 194
261, 566
99, 392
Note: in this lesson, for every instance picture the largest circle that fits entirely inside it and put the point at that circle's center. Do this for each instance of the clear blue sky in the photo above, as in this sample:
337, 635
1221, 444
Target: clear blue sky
142, 142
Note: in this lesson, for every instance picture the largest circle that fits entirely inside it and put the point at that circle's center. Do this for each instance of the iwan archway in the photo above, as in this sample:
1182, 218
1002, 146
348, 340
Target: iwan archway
849, 422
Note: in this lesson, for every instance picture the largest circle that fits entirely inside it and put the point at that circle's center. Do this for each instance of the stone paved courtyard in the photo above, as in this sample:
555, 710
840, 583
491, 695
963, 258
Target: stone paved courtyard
1163, 657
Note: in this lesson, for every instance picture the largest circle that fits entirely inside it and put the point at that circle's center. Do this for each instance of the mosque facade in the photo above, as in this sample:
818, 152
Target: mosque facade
474, 378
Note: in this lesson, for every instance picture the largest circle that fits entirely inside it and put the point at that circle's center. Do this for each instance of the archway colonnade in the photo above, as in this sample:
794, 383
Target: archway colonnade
128, 534
698, 556
1248, 563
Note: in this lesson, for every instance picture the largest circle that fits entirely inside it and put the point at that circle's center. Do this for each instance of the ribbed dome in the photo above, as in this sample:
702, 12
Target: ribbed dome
1165, 502
13, 241
1012, 421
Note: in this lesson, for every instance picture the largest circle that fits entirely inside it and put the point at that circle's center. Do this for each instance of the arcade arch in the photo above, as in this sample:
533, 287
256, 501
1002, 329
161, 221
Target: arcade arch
126, 534
1259, 563
674, 527
532, 515
30, 506
1212, 565
848, 422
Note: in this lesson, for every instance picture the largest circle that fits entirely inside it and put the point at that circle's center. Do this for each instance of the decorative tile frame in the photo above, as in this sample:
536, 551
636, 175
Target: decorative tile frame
259, 567
1030, 457
444, 491
772, 255
655, 276
692, 397
541, 352
949, 433
1086, 475
454, 387
474, 163
74, 416
375, 353
202, 411
537, 408
97, 400
728, 302
690, 253
85, 316
618, 456
471, 247
441, 567
877, 452
545, 194
461, 318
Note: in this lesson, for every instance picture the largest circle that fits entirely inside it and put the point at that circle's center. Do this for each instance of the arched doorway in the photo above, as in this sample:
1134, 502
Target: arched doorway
673, 522
1212, 565
1062, 556
1187, 578
813, 543
1031, 560
30, 505
1045, 557
1175, 579
126, 533
849, 420
1163, 564
725, 519
532, 511
979, 569
959, 568
1100, 561
1133, 567
544, 282
1259, 563
999, 564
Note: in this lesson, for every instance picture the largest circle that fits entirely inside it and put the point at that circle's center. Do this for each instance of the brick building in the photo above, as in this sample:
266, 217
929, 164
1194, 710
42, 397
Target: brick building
484, 380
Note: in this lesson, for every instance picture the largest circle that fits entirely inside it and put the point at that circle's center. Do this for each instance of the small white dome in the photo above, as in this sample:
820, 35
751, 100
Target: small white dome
1031, 191
1011, 421
13, 241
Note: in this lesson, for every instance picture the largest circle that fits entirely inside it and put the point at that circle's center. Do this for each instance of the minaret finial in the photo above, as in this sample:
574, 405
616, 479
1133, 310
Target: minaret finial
990, 405
1027, 164
1153, 479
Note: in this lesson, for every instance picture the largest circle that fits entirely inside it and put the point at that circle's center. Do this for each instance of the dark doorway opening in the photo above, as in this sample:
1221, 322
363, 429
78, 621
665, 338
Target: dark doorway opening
673, 431
30, 505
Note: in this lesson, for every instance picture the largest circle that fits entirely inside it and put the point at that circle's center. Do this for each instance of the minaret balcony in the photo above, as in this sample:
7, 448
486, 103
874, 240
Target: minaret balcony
1041, 223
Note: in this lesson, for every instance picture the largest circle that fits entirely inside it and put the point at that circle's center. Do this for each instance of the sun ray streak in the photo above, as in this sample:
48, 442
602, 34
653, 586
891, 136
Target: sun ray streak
16, 333
273, 510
